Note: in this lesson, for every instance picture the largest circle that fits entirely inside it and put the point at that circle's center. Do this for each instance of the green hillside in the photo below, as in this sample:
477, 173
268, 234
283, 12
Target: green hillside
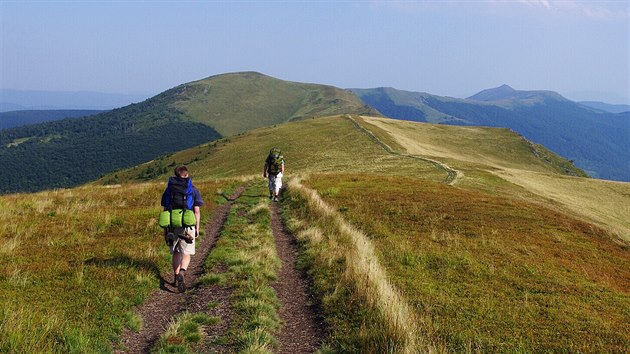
235, 103
73, 151
505, 255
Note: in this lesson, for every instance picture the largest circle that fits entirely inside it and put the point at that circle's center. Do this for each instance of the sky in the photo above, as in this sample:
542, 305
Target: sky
451, 48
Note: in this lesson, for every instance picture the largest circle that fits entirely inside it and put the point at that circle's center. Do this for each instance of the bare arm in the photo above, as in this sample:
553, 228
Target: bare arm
197, 211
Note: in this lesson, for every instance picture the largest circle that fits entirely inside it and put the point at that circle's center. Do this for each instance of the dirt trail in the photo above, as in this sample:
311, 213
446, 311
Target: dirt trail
302, 323
161, 306
452, 174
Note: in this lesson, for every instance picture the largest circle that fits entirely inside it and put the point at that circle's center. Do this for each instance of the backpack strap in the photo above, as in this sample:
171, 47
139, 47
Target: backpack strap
189, 195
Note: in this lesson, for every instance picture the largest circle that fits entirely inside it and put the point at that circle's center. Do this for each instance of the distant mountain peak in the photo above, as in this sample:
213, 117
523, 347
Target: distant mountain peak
494, 94
506, 92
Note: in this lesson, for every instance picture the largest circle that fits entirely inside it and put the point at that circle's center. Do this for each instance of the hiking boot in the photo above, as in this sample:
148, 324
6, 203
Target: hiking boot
275, 199
181, 283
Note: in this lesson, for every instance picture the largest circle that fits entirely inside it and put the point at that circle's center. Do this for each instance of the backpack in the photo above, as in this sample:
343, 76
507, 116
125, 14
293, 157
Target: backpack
274, 161
178, 202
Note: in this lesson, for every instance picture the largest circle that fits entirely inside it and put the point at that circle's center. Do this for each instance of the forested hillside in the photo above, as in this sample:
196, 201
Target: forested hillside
73, 151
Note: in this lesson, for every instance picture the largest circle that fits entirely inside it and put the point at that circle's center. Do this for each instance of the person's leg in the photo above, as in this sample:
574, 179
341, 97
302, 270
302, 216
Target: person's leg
271, 186
177, 261
277, 186
185, 261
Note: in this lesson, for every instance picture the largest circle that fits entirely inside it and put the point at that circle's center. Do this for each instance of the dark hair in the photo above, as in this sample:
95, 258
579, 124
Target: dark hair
180, 169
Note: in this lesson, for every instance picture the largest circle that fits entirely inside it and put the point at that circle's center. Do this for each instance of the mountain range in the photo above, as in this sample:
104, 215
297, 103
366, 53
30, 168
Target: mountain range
597, 141
68, 152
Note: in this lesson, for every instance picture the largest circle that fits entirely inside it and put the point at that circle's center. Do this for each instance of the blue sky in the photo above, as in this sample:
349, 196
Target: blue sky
453, 48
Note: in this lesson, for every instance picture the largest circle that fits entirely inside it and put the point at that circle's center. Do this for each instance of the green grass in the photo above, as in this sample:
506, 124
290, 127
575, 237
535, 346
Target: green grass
488, 273
330, 144
239, 102
74, 263
246, 247
363, 312
184, 333
494, 263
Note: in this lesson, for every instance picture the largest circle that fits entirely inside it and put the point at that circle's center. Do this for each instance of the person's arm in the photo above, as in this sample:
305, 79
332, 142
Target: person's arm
282, 168
197, 211
265, 170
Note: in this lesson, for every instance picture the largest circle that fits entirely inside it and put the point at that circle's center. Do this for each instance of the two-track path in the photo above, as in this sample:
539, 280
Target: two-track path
163, 305
302, 328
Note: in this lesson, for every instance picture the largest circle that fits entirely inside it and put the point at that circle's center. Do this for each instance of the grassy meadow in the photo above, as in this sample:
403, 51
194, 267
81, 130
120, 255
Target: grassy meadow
499, 161
75, 262
331, 144
490, 274
518, 255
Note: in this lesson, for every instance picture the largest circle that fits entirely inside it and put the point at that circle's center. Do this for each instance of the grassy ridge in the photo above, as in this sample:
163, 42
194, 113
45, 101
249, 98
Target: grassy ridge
500, 162
329, 144
481, 265
238, 102
69, 152
75, 262
488, 273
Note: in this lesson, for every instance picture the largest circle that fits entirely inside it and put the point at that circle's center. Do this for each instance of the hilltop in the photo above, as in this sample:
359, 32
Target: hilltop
68, 152
594, 140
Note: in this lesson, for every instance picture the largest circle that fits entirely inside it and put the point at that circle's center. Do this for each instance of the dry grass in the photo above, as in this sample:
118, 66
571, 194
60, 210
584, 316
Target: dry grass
79, 260
487, 273
497, 151
606, 203
364, 271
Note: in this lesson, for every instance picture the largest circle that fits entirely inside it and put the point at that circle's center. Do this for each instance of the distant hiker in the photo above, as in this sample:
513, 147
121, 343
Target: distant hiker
181, 199
274, 168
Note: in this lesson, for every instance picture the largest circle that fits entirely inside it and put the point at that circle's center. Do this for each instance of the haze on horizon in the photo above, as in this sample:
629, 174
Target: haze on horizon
456, 48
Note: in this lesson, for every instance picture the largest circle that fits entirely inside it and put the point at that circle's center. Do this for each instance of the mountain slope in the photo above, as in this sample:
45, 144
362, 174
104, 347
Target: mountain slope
490, 262
234, 103
511, 245
596, 141
606, 107
73, 151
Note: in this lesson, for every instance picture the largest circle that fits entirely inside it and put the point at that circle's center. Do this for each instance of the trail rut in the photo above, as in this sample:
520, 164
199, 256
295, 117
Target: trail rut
303, 329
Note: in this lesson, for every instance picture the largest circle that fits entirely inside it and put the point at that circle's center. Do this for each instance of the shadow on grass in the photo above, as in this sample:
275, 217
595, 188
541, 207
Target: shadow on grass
130, 262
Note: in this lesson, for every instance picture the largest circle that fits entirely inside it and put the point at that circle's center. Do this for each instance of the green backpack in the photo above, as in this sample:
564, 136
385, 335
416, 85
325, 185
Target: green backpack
274, 161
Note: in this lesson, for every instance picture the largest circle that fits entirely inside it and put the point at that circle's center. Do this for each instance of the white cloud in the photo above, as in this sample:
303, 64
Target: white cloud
598, 10
586, 9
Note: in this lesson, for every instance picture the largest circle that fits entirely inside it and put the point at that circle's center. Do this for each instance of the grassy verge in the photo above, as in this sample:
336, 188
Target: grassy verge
364, 312
74, 263
486, 273
246, 248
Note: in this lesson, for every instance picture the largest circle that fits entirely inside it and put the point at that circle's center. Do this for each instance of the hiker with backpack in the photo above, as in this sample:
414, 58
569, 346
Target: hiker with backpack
274, 168
180, 220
